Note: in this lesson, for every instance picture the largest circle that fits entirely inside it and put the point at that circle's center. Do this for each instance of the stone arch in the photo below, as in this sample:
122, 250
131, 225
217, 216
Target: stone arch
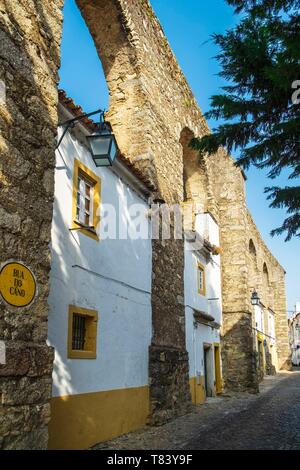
195, 177
254, 273
252, 252
252, 248
144, 118
108, 26
87, 86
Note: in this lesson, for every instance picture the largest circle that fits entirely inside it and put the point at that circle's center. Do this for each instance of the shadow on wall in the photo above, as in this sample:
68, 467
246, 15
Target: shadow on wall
58, 321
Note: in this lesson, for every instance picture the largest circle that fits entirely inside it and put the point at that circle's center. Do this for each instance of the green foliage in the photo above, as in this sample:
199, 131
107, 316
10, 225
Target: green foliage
260, 59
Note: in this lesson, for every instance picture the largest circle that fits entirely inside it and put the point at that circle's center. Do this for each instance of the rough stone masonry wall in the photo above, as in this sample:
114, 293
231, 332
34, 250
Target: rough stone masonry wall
30, 34
271, 289
238, 360
242, 272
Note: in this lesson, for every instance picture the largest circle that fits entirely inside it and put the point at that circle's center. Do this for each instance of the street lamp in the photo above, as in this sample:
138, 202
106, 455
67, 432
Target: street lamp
255, 300
102, 142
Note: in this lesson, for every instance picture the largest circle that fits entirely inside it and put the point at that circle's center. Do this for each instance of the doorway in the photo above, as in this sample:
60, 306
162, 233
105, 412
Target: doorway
208, 370
218, 375
205, 370
260, 359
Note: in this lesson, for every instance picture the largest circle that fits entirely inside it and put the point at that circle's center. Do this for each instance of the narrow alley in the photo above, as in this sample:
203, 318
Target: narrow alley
270, 420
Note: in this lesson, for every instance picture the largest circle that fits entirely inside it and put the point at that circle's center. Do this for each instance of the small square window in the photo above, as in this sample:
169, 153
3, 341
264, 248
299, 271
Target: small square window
78, 332
82, 334
86, 200
201, 279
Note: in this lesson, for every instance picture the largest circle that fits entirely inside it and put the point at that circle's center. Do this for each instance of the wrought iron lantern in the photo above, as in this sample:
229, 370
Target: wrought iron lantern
255, 300
103, 144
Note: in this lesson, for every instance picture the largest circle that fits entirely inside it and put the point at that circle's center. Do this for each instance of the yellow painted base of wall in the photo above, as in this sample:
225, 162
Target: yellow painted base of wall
198, 390
80, 421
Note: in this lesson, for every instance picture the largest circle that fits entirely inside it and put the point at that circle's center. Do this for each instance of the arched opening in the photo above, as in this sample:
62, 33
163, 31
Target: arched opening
266, 279
253, 268
195, 180
81, 73
252, 249
110, 82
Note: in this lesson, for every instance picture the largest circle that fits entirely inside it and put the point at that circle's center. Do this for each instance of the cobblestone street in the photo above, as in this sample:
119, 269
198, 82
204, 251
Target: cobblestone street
270, 420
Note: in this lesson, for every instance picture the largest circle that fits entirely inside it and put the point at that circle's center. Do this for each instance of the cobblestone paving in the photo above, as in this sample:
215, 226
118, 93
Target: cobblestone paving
270, 420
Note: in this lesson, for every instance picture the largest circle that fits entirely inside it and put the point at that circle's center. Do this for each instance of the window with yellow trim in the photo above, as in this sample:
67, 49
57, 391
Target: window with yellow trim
201, 279
82, 333
86, 200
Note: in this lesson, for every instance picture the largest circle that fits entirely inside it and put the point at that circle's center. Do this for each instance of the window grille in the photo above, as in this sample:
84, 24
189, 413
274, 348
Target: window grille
201, 283
79, 332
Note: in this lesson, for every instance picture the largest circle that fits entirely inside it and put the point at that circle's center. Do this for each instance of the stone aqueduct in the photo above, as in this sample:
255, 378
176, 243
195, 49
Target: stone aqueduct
153, 114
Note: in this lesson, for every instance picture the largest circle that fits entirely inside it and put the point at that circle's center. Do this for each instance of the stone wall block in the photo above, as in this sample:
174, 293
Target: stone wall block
24, 427
25, 390
30, 35
169, 384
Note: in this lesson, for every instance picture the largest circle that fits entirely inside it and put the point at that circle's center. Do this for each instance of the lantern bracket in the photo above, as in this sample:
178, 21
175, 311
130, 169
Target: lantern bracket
72, 122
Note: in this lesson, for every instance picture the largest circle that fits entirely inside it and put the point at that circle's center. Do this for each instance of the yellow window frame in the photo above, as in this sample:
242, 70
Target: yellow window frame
96, 182
91, 333
201, 267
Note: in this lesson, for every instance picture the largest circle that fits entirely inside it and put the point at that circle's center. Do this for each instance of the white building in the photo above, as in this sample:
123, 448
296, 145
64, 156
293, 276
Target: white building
264, 338
100, 300
203, 307
100, 320
294, 335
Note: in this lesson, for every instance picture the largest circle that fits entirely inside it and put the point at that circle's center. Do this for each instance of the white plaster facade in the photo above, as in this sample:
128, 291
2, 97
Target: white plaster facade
112, 277
203, 334
294, 335
259, 318
264, 337
106, 395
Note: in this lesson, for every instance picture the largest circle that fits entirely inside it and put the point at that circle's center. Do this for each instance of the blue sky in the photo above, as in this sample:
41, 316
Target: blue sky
188, 25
